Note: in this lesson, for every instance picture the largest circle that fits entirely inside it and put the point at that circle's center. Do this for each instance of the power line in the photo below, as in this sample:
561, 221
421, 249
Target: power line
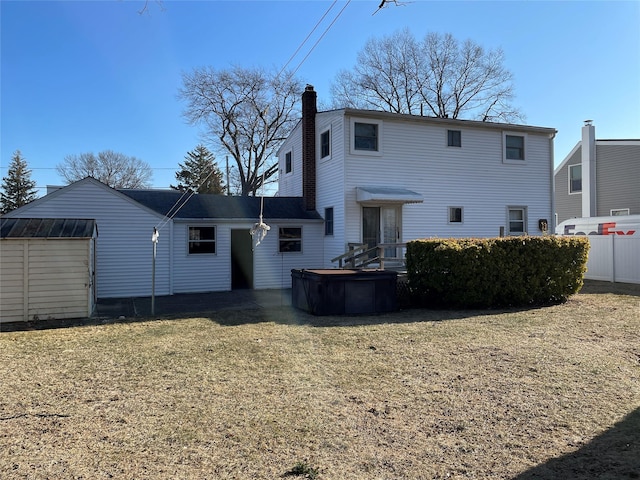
321, 36
307, 38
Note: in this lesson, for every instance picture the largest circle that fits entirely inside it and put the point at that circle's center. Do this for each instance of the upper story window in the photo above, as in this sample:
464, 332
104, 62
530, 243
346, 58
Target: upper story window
288, 163
575, 178
517, 220
328, 221
365, 136
514, 148
202, 240
325, 144
455, 214
289, 239
454, 138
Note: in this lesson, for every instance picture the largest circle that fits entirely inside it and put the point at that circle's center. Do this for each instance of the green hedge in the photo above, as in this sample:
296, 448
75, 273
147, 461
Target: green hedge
495, 272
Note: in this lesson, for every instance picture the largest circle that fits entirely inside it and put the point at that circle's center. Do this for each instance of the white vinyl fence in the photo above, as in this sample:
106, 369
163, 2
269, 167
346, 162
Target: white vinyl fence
614, 258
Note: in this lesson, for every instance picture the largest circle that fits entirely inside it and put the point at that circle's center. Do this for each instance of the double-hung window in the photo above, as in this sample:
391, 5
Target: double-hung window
325, 144
575, 178
365, 136
514, 147
289, 239
288, 162
517, 218
328, 221
202, 240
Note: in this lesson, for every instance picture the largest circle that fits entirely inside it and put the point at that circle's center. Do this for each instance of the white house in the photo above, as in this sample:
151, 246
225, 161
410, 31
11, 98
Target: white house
379, 177
204, 241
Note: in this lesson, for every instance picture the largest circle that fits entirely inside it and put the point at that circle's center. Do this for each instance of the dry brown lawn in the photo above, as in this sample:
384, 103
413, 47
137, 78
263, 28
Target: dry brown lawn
544, 393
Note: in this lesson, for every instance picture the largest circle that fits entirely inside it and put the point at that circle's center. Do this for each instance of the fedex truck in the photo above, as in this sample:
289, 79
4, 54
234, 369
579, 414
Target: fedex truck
627, 225
614, 253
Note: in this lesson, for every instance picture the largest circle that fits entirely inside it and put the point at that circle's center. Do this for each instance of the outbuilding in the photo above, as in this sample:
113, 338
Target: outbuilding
47, 268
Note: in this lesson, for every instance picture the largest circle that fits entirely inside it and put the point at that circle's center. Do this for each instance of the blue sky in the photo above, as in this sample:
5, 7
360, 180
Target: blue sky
87, 76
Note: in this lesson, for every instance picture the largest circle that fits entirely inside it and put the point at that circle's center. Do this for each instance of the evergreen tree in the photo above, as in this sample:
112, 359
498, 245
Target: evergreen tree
17, 187
199, 173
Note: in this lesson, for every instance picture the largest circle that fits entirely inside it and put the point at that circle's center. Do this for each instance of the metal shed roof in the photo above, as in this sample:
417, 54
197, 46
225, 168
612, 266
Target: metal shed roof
46, 228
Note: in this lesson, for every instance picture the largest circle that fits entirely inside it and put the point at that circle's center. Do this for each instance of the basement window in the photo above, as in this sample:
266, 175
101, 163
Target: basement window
202, 240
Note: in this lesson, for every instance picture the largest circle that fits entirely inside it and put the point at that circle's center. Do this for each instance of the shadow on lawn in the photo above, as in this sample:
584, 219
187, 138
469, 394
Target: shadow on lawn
613, 455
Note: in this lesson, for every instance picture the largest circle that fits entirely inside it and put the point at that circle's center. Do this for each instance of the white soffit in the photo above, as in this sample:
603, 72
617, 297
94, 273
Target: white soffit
387, 195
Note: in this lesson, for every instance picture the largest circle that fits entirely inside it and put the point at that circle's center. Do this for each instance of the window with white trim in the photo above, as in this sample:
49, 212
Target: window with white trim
619, 211
288, 162
325, 144
289, 239
455, 214
514, 145
202, 239
328, 221
366, 137
516, 220
575, 178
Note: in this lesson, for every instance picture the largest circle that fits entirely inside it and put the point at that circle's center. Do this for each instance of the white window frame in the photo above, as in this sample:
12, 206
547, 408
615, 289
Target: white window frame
449, 211
332, 222
514, 161
525, 227
571, 191
214, 241
280, 239
352, 137
284, 169
619, 211
328, 156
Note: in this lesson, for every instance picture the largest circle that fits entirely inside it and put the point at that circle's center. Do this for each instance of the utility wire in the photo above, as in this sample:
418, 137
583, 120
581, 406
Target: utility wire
321, 36
308, 36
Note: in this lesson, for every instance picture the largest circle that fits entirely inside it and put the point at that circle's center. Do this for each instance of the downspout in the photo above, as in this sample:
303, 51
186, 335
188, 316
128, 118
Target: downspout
552, 219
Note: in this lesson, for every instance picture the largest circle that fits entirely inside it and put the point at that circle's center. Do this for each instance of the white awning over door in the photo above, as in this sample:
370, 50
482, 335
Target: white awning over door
368, 195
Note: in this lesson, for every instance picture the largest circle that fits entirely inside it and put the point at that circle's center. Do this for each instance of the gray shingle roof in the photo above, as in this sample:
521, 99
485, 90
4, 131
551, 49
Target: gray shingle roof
46, 228
220, 206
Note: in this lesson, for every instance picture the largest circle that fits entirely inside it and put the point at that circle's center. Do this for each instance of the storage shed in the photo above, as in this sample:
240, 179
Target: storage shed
47, 268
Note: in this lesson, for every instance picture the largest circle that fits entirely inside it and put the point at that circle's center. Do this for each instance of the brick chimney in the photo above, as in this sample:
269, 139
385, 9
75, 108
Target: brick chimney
309, 110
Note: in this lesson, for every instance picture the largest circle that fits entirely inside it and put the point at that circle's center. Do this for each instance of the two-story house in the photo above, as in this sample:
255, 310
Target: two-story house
598, 178
379, 177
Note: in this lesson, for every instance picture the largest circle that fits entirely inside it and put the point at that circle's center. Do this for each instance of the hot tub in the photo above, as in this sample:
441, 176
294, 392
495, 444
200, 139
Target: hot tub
344, 292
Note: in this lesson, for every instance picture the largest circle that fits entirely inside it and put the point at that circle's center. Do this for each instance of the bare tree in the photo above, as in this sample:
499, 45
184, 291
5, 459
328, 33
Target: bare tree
112, 168
437, 76
247, 112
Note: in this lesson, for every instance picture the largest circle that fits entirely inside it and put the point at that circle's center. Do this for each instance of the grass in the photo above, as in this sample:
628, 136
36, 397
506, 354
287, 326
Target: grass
551, 392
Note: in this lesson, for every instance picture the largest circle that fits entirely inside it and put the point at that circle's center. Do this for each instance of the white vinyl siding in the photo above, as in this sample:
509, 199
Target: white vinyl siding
416, 158
330, 190
124, 251
290, 184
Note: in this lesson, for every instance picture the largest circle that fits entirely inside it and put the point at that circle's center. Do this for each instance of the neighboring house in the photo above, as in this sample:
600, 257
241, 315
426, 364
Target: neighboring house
379, 177
598, 178
204, 241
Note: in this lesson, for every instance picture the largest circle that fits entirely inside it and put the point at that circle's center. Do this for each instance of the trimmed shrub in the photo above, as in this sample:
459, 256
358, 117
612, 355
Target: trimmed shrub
495, 272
